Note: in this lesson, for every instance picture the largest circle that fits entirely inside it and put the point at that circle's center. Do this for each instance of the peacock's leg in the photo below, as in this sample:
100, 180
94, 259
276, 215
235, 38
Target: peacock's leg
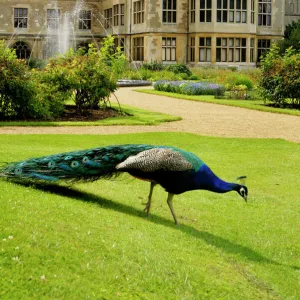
148, 204
170, 203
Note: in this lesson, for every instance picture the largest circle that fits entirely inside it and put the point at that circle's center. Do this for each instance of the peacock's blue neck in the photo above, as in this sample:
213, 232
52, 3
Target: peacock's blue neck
205, 179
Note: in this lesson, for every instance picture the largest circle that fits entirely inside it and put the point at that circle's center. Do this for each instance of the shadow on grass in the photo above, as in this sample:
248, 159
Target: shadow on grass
207, 237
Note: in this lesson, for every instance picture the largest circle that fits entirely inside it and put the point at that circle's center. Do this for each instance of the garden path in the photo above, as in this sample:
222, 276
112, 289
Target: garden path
197, 117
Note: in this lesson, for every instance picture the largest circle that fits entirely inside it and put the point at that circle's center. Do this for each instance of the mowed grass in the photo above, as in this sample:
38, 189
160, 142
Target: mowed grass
93, 240
249, 104
132, 116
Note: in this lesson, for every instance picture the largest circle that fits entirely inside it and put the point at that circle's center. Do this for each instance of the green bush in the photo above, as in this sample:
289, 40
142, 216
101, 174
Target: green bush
194, 77
36, 63
17, 90
280, 80
179, 69
153, 66
49, 95
22, 92
238, 92
87, 78
236, 79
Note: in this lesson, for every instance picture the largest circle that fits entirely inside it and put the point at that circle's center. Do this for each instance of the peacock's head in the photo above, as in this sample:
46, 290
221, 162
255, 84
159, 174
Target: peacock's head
241, 188
243, 191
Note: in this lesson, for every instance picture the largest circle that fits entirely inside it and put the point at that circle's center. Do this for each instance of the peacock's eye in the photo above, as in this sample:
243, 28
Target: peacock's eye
85, 159
242, 191
74, 164
51, 165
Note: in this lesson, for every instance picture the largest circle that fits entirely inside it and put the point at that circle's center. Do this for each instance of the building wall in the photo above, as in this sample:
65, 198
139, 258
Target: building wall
153, 30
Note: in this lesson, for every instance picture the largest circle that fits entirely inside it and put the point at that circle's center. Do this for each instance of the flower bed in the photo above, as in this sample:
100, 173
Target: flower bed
189, 88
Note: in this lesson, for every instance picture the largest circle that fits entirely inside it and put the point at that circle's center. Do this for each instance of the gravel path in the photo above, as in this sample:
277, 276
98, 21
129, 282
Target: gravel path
200, 118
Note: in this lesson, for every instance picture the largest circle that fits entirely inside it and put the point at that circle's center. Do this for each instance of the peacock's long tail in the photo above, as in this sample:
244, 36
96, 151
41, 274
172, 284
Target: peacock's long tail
85, 165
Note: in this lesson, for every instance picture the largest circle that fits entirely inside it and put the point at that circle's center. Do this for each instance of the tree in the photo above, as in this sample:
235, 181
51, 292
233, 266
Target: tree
291, 37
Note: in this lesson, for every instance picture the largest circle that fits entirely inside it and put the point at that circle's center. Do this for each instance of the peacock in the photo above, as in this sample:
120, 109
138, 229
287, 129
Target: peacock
176, 170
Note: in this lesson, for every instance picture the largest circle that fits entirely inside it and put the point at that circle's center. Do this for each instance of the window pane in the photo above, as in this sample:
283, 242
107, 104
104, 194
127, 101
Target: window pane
202, 15
218, 55
208, 58
230, 55
208, 16
231, 16
201, 55
224, 54
201, 41
219, 13
164, 4
168, 53
244, 17
237, 55
243, 58
173, 54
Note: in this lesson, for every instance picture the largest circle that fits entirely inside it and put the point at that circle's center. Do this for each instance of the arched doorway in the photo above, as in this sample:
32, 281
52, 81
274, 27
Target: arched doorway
22, 50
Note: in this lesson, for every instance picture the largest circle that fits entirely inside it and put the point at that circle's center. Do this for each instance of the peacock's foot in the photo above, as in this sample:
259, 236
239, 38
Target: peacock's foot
147, 208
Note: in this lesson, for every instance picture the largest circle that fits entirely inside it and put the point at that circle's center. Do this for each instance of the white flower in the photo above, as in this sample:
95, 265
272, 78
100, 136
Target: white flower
10, 237
43, 277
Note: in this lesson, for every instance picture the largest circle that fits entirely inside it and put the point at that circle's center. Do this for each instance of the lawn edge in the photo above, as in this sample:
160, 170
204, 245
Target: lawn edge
217, 102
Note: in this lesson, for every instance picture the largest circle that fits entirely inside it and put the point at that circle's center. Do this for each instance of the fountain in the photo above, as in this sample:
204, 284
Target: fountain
60, 35
60, 32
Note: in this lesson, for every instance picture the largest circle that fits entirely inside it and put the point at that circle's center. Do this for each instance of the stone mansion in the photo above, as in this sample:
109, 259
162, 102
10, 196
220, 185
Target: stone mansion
197, 32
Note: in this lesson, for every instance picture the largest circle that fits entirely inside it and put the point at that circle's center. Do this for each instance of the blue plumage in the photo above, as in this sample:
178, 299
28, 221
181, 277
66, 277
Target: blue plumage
176, 170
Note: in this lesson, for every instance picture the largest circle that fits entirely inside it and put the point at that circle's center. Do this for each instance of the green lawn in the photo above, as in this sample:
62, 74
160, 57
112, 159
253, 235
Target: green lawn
93, 241
135, 116
249, 104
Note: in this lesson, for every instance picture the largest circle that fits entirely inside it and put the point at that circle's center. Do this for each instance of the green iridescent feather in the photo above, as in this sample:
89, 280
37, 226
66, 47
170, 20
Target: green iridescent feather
88, 164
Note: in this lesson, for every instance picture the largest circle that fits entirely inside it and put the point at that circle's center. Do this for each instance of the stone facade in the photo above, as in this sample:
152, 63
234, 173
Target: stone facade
198, 32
